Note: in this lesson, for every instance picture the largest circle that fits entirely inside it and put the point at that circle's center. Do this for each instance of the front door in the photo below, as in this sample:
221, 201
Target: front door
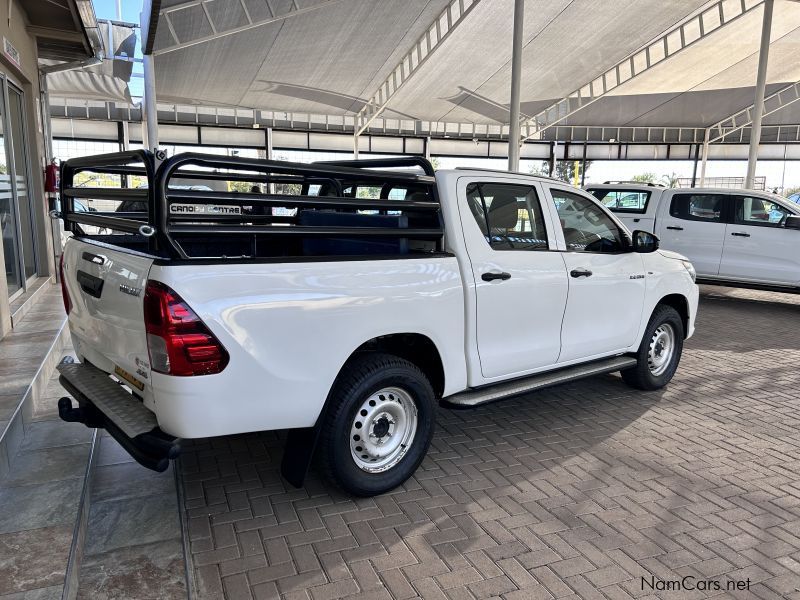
606, 280
694, 225
519, 276
757, 246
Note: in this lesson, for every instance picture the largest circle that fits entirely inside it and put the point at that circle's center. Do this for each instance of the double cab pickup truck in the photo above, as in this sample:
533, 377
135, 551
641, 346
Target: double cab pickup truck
743, 238
345, 301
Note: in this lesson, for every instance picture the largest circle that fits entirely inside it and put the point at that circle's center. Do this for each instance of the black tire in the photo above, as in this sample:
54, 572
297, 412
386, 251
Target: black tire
641, 376
362, 377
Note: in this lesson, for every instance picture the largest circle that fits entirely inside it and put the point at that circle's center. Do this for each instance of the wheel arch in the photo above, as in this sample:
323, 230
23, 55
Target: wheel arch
416, 348
681, 305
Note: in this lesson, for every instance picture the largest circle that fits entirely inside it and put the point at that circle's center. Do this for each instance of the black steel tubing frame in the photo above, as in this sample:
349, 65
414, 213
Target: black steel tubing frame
112, 163
158, 195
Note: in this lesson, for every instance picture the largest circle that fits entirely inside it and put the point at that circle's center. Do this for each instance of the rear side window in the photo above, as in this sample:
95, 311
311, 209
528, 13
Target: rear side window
748, 210
698, 207
509, 215
623, 201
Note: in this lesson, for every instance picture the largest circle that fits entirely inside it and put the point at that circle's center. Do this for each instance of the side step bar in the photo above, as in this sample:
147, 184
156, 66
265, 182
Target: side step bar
498, 391
102, 403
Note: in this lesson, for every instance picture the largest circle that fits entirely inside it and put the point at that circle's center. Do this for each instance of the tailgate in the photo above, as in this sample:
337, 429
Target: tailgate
106, 289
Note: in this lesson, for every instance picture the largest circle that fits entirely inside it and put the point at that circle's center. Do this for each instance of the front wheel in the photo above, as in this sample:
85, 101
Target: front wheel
660, 351
379, 424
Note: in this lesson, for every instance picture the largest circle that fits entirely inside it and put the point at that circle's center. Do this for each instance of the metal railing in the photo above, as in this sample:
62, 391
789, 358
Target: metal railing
734, 183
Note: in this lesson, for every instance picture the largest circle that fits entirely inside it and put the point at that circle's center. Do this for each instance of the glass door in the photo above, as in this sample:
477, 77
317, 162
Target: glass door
21, 180
8, 219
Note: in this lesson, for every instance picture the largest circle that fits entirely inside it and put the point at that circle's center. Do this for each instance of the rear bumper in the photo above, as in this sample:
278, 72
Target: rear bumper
102, 403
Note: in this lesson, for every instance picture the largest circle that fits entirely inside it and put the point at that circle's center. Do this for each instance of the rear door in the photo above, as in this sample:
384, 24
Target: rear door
694, 225
519, 276
606, 279
106, 291
757, 246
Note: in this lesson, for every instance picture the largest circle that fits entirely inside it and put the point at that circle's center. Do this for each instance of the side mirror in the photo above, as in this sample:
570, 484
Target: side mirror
644, 242
792, 222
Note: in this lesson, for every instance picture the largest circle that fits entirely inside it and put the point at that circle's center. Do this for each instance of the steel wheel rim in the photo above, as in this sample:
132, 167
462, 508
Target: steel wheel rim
661, 349
383, 429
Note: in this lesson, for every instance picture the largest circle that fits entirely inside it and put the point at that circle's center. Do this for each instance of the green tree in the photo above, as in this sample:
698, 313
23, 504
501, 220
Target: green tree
645, 178
542, 169
791, 190
670, 180
565, 170
239, 186
435, 163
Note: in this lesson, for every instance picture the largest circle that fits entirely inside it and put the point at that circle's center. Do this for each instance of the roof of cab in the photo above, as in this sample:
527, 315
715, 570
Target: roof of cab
480, 171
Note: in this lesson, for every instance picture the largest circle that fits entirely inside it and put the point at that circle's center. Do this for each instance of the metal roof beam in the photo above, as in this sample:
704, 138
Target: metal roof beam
687, 33
171, 12
444, 25
744, 118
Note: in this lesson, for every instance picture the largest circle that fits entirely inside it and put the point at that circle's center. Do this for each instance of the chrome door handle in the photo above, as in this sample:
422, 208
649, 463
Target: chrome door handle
492, 276
580, 273
740, 234
674, 228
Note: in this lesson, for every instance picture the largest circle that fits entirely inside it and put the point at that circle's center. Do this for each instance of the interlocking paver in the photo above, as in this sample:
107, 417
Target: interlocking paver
577, 491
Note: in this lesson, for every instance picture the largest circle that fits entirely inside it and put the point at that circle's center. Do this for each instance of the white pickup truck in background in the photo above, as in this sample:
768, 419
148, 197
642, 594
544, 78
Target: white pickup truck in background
737, 237
344, 301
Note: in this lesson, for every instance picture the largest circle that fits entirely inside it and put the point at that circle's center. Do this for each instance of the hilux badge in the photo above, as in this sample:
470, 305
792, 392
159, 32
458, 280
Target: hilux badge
131, 291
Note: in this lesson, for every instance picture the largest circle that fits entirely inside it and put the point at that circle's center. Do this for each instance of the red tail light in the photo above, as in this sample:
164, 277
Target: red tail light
178, 341
64, 292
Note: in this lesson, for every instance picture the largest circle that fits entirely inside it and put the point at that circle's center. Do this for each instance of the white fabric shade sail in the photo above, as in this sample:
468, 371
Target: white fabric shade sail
332, 56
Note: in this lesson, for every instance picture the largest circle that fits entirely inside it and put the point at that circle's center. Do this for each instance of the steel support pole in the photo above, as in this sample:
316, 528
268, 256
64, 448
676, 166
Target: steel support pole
705, 158
761, 82
150, 106
124, 142
514, 137
355, 145
269, 151
268, 142
583, 166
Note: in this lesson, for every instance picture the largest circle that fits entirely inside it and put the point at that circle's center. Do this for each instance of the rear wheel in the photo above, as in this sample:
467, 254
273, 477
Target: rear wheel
660, 351
379, 425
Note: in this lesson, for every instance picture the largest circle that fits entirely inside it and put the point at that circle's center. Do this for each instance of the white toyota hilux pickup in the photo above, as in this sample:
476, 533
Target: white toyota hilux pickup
345, 301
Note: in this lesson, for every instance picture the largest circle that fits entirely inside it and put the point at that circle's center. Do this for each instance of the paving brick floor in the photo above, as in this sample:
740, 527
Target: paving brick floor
588, 490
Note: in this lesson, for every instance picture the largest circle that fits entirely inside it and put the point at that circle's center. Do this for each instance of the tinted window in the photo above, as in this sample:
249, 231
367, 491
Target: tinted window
758, 211
509, 216
587, 228
697, 207
624, 201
